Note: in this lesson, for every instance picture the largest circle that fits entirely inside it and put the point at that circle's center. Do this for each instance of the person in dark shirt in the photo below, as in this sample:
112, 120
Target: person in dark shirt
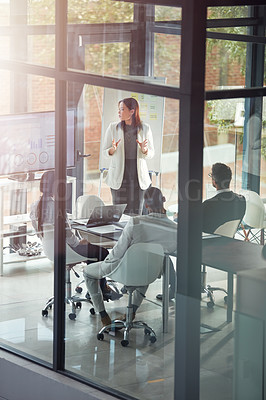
225, 205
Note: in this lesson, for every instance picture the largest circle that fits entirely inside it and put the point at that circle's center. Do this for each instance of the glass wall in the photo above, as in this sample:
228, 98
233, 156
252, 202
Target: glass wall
85, 354
27, 142
119, 50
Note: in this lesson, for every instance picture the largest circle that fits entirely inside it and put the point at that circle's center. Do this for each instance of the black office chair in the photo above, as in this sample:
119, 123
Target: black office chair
227, 229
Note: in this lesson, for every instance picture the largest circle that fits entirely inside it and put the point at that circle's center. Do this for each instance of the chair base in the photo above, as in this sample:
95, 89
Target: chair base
128, 324
209, 292
118, 324
74, 301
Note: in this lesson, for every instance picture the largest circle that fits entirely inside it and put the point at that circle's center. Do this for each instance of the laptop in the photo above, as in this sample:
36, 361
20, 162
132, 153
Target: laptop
104, 215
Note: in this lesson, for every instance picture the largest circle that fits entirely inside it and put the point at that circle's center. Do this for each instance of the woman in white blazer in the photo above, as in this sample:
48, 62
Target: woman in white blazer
128, 144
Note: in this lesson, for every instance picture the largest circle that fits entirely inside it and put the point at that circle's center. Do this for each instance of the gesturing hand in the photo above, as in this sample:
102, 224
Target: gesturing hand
114, 146
84, 241
143, 146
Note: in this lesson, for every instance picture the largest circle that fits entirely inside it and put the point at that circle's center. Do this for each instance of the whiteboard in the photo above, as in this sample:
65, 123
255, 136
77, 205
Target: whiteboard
151, 112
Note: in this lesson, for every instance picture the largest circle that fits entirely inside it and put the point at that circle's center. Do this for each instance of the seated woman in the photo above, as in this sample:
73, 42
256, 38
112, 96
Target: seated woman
42, 212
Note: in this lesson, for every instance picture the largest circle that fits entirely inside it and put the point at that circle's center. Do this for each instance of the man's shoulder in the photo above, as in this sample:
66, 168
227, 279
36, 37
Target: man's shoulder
159, 219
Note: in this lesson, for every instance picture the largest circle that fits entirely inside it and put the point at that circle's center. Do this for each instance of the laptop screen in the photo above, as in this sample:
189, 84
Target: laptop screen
106, 214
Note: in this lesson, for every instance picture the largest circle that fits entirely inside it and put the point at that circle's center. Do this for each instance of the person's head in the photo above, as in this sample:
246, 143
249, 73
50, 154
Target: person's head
128, 111
154, 199
221, 176
47, 183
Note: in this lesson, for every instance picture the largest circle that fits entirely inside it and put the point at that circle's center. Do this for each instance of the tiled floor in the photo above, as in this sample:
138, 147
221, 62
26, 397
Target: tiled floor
142, 370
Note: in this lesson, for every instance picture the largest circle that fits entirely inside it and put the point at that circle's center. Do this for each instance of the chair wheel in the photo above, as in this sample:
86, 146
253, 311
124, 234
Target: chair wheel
225, 299
78, 304
100, 336
124, 343
72, 316
147, 331
44, 313
78, 289
92, 311
210, 304
50, 307
153, 339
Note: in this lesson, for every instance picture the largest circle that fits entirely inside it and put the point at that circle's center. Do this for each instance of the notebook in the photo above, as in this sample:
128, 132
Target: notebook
104, 215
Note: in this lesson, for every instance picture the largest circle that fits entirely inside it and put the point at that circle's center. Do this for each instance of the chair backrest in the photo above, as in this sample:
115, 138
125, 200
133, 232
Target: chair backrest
48, 248
141, 265
85, 204
255, 211
228, 229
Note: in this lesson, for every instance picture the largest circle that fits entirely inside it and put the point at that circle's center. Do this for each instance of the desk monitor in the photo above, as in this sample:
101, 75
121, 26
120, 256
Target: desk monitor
27, 142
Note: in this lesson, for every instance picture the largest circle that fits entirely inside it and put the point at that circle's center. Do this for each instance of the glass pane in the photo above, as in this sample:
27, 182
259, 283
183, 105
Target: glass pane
108, 58
149, 370
167, 57
27, 140
41, 50
96, 12
38, 47
227, 12
225, 64
120, 40
4, 13
263, 154
5, 91
234, 136
167, 13
228, 61
41, 12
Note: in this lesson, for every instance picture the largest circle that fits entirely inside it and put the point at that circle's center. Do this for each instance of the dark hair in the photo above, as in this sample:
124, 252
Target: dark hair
47, 190
154, 199
132, 104
222, 175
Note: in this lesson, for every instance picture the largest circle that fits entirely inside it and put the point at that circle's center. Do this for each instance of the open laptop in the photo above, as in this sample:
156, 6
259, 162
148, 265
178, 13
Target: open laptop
104, 215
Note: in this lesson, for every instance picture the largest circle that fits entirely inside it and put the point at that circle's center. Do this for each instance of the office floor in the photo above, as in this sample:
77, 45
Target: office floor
142, 370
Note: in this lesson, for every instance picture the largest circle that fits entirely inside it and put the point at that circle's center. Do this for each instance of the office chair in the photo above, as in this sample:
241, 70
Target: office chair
85, 204
84, 207
228, 229
72, 259
141, 265
254, 218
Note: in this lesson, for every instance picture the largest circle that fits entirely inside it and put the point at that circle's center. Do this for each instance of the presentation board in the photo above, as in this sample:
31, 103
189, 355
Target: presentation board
27, 142
151, 112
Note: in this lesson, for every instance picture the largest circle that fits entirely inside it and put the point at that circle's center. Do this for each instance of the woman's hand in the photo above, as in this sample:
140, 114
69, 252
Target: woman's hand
114, 146
84, 241
143, 146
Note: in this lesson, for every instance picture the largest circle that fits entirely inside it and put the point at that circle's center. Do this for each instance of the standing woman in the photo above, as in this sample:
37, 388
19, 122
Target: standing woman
128, 144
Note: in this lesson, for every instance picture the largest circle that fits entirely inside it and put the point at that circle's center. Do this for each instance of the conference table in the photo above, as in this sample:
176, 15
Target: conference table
219, 252
232, 256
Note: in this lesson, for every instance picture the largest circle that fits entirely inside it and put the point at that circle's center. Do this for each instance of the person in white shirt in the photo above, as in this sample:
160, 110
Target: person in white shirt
152, 228
127, 145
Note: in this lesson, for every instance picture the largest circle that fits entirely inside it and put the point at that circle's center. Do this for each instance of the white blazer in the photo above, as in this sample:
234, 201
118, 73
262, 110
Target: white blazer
117, 160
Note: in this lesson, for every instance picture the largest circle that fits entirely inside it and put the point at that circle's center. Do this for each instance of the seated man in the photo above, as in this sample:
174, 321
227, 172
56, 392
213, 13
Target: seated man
152, 228
225, 205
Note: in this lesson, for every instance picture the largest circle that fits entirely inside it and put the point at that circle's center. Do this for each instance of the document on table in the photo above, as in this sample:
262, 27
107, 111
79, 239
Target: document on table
105, 229
208, 235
